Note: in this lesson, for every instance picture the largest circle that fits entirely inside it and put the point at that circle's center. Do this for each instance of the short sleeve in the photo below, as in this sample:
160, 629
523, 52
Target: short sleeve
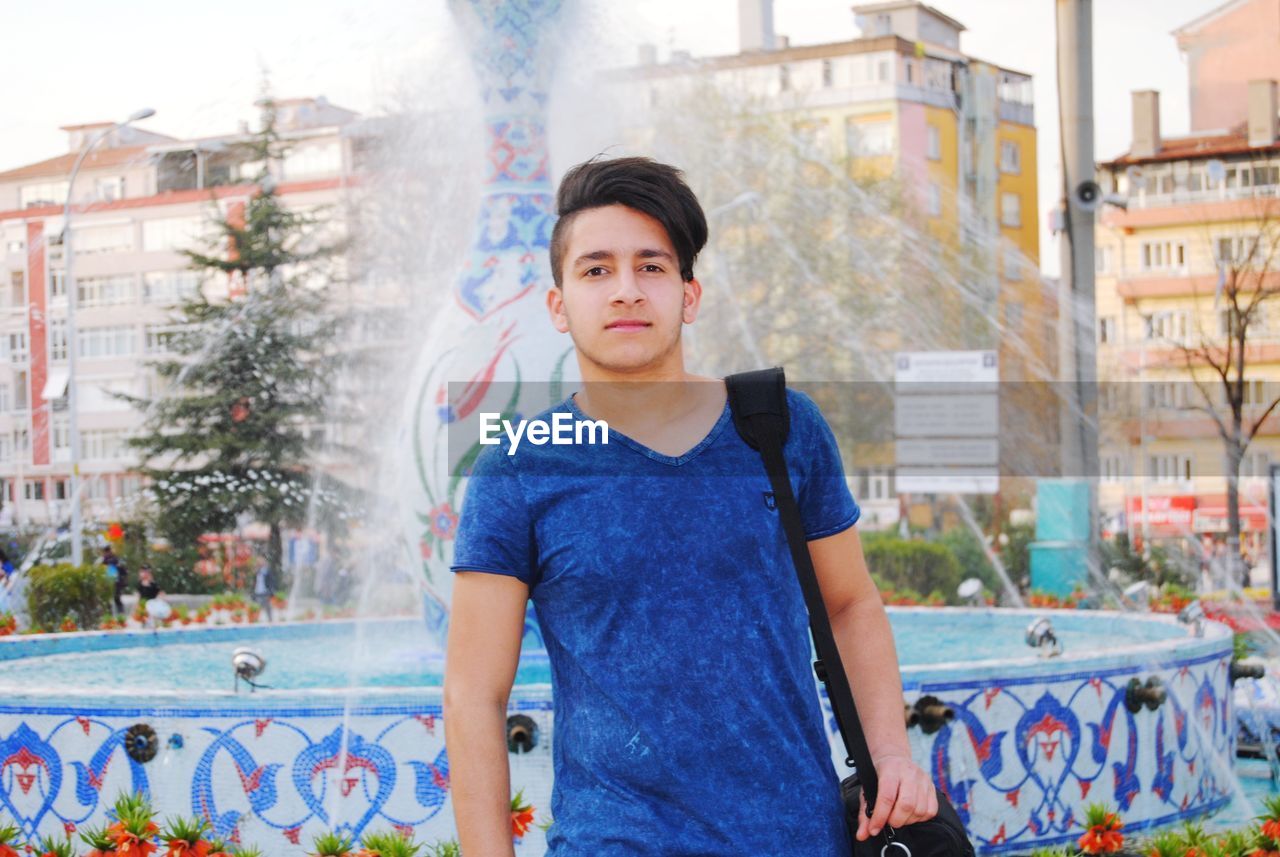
495, 529
826, 505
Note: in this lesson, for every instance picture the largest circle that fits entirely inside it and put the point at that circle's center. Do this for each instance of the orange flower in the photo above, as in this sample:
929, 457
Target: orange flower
1271, 829
521, 820
183, 848
1102, 839
6, 850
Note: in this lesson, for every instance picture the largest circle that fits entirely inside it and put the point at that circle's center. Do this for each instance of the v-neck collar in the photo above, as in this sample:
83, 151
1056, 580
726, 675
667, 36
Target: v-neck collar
726, 417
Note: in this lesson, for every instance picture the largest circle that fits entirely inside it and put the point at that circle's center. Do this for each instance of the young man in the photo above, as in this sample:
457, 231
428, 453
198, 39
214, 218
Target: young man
687, 720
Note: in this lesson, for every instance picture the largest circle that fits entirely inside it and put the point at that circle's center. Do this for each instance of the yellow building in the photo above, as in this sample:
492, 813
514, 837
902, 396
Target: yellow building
958, 135
1166, 268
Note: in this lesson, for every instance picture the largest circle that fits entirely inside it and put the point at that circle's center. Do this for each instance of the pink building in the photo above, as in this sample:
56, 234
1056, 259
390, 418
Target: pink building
1225, 49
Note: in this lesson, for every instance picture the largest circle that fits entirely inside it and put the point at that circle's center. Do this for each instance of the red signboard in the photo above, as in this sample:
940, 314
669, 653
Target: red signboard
1169, 515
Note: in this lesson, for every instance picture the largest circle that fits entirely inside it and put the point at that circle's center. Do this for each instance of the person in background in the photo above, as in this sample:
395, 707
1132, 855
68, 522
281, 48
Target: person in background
6, 565
119, 574
147, 586
262, 587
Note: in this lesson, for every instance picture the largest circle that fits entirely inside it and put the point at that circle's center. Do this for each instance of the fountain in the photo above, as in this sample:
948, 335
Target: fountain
342, 730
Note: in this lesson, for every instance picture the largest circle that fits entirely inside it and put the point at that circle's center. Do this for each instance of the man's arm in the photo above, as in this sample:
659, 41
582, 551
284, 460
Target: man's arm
486, 625
865, 640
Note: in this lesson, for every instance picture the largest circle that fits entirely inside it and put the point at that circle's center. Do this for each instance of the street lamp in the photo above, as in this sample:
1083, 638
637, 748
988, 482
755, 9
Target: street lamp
73, 433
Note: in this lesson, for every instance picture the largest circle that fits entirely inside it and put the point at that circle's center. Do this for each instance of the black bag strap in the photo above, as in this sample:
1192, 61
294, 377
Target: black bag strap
758, 400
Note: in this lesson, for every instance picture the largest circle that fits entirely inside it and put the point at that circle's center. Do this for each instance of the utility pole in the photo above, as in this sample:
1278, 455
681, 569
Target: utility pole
1077, 363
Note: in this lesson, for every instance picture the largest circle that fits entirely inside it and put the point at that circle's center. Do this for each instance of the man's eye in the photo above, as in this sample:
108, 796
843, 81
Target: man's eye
656, 268
589, 271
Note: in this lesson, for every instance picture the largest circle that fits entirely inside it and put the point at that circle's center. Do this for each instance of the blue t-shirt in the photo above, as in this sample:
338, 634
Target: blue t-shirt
687, 719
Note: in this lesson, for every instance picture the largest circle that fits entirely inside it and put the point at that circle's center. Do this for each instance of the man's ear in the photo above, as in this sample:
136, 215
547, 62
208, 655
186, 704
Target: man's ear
692, 300
555, 308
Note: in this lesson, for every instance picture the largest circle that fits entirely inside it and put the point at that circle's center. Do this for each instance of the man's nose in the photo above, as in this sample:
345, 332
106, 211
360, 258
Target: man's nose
627, 287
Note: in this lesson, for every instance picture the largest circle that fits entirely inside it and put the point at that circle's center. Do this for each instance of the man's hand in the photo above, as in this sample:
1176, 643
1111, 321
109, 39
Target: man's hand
906, 796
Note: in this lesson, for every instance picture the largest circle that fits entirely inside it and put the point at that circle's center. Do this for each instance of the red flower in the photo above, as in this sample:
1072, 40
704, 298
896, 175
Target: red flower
183, 848
1102, 838
1271, 829
6, 850
521, 821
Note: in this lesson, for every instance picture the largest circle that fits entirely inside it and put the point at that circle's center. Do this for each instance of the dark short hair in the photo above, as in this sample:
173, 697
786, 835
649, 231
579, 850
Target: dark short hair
643, 184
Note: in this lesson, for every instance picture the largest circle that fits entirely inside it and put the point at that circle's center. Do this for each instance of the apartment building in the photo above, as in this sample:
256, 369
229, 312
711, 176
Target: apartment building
1195, 205
139, 199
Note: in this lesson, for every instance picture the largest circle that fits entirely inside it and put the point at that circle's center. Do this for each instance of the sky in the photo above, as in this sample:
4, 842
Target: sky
200, 68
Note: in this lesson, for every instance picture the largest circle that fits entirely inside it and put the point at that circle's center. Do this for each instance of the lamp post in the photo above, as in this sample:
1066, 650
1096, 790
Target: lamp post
73, 434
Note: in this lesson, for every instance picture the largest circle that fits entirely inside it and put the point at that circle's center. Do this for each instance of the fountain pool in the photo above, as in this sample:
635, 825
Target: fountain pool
348, 733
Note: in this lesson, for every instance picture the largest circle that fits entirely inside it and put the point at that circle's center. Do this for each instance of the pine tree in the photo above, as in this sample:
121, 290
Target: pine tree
247, 376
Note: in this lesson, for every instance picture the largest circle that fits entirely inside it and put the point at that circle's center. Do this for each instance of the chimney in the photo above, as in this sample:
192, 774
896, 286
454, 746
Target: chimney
755, 25
647, 54
1262, 112
1146, 124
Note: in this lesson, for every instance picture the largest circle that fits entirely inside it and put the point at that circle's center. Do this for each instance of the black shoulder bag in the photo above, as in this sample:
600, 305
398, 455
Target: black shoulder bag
759, 404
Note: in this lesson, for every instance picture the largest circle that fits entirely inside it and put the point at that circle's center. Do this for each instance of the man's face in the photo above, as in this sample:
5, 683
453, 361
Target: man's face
619, 265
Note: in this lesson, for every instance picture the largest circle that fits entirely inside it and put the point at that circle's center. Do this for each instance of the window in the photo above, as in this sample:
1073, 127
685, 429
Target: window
60, 489
1013, 316
1256, 464
910, 68
58, 339
873, 483
107, 342
106, 291
21, 442
115, 238
1010, 209
47, 193
1010, 157
324, 159
172, 234
1102, 260
869, 139
130, 484
1161, 395
933, 143
15, 245
1163, 255
1112, 471
1107, 330
33, 490
17, 289
57, 284
109, 188
1012, 263
1256, 392
933, 199
169, 287
1169, 468
1266, 175
828, 75
102, 445
1258, 327
884, 71
1232, 250
1172, 325
94, 487
15, 346
159, 336
6, 449
61, 431
20, 391
784, 77
6, 400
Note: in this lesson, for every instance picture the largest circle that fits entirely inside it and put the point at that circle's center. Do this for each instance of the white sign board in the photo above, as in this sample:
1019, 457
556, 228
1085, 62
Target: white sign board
945, 480
961, 415
932, 452
972, 371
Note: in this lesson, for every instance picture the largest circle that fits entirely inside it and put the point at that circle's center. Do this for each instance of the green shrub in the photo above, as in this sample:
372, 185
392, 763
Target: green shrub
916, 565
55, 592
972, 558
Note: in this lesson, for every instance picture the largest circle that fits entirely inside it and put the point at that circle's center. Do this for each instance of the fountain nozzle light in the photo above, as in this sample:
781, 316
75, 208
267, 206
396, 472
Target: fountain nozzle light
1193, 615
930, 714
248, 665
1240, 670
971, 590
1040, 635
1136, 694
